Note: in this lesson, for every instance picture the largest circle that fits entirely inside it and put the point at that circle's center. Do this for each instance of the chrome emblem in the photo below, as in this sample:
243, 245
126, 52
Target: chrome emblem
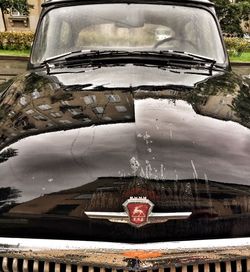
138, 210
138, 213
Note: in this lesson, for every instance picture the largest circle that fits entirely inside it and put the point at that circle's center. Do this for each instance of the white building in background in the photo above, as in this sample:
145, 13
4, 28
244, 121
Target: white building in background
2, 28
15, 21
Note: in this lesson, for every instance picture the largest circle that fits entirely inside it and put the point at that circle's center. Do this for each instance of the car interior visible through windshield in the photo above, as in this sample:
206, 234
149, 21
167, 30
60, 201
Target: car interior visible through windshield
128, 27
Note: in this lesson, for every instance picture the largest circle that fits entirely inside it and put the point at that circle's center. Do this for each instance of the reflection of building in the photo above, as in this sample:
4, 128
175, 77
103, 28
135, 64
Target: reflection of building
48, 107
204, 198
101, 194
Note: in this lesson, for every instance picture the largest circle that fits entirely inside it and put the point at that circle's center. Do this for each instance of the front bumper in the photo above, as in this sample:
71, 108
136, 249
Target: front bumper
31, 255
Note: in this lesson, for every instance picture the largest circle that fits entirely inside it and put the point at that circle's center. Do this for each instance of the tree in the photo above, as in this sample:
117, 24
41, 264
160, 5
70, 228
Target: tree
244, 6
232, 15
21, 5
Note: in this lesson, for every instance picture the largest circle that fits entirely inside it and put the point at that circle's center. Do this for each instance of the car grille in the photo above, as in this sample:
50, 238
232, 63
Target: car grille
27, 265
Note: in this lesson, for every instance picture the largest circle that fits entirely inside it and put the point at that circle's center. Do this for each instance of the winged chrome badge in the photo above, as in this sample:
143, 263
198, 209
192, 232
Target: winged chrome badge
138, 212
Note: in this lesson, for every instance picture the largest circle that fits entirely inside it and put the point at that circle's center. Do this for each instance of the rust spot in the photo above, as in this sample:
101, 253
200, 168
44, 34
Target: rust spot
142, 254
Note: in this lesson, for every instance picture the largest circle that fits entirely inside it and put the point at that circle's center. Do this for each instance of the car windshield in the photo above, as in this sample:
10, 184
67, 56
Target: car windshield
130, 27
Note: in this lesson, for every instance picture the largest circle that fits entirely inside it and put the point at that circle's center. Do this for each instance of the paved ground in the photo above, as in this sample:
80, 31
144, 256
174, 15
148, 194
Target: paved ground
10, 68
242, 70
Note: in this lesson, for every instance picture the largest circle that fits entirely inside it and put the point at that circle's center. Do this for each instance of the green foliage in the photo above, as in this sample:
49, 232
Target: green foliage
21, 5
16, 40
236, 46
15, 53
244, 57
245, 11
231, 15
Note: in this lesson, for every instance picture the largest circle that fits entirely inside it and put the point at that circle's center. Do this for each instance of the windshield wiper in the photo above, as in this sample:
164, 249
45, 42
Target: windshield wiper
165, 58
82, 53
61, 56
192, 55
75, 56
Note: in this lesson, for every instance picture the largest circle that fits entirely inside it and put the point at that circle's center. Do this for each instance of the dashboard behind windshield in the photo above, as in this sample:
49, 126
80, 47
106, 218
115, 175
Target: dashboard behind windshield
129, 27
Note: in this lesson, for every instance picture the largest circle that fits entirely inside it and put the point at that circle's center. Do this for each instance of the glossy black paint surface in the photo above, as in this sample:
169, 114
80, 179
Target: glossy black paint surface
87, 141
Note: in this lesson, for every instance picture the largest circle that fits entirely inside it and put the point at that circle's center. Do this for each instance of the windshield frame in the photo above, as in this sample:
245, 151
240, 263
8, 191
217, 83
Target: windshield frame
204, 6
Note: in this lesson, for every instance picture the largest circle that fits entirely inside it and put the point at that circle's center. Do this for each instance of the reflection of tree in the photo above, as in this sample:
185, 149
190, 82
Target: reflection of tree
8, 193
221, 85
8, 153
241, 104
35, 81
8, 196
229, 94
224, 97
4, 86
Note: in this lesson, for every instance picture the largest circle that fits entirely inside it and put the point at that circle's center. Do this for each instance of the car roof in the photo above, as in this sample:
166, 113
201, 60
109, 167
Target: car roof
204, 2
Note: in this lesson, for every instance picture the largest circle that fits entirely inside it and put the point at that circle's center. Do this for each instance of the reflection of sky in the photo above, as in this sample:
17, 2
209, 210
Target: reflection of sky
62, 160
130, 75
194, 143
169, 141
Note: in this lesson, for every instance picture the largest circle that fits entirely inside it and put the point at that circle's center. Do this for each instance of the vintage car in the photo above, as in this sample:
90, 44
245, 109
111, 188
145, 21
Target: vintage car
117, 133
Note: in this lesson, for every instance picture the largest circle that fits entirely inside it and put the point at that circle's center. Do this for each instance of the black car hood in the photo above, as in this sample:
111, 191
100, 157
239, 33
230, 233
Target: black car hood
71, 145
128, 76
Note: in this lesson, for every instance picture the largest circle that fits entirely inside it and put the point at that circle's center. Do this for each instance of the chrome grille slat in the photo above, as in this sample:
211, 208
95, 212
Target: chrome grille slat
5, 265
206, 268
68, 268
36, 266
58, 267
46, 267
15, 265
228, 267
238, 266
217, 267
248, 265
25, 266
184, 268
195, 268
79, 268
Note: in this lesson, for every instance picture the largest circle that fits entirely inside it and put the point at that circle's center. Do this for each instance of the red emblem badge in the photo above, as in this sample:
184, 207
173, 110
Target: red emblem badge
138, 210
